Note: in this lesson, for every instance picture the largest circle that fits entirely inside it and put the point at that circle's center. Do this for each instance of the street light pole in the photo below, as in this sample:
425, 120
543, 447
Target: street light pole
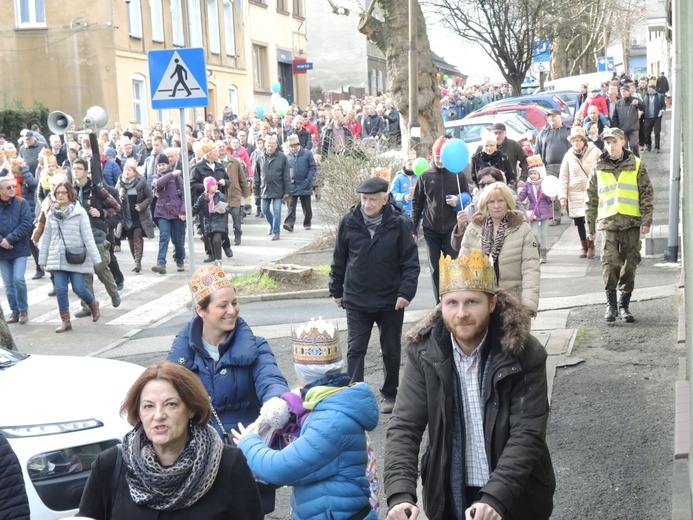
414, 129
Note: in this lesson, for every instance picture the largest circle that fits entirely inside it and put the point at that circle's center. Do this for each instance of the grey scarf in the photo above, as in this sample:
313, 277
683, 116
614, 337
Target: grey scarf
177, 486
372, 223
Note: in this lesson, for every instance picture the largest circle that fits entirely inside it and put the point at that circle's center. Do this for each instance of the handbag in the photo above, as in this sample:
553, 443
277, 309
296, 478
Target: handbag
74, 255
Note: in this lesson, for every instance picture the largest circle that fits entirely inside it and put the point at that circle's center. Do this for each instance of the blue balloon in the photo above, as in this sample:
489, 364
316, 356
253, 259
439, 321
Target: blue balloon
260, 111
454, 155
276, 87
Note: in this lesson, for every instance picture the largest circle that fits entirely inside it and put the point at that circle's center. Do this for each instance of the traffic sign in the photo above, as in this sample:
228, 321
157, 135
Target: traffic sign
541, 51
178, 78
605, 64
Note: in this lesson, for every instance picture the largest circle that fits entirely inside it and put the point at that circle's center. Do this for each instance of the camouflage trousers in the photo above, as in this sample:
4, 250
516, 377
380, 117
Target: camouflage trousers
620, 258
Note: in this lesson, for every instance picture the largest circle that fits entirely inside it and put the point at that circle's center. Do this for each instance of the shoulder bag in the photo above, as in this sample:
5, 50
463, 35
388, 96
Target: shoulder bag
73, 255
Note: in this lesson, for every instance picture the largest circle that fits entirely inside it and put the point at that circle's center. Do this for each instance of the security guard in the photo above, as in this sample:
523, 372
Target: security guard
619, 204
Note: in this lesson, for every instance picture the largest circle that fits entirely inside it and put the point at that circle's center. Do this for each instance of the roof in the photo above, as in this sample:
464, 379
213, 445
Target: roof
441, 64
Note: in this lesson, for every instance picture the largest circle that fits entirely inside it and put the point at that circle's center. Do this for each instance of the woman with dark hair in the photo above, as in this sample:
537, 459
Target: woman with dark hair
237, 368
172, 464
67, 226
135, 198
488, 154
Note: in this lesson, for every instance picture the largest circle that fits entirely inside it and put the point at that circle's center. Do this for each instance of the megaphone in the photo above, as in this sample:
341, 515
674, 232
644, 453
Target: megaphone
59, 122
96, 118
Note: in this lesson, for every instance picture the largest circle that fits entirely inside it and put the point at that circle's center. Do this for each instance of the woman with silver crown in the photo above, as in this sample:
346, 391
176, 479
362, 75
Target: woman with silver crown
504, 235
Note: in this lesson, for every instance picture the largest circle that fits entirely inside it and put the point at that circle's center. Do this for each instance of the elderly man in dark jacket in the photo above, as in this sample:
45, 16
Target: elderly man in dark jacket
13, 500
16, 219
476, 378
627, 118
374, 276
302, 168
272, 183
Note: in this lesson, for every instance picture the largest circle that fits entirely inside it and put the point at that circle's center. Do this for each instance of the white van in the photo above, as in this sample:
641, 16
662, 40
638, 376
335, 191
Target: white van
574, 82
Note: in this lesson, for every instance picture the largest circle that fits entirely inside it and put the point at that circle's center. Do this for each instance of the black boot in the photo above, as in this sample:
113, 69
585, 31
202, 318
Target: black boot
623, 311
610, 314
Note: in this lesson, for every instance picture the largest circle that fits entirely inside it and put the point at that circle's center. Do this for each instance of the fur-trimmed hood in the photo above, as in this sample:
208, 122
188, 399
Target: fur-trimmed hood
515, 218
510, 320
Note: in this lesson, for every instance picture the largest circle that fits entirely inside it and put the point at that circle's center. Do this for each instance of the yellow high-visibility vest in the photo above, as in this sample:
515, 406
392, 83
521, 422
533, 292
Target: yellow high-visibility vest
619, 197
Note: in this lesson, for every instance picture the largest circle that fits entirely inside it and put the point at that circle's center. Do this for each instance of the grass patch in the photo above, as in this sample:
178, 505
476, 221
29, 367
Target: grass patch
321, 270
253, 282
580, 338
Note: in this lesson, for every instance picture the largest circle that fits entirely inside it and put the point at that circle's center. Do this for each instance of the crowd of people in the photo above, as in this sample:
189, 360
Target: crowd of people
484, 228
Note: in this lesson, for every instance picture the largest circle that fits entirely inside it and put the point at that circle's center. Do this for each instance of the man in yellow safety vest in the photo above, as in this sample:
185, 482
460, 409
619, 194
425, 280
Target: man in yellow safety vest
619, 205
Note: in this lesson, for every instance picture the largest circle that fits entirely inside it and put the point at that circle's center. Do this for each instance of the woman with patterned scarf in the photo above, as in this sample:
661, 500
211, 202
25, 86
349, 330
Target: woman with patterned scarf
504, 235
172, 465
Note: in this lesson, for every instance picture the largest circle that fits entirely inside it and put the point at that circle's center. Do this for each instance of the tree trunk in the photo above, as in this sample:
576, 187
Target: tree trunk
392, 38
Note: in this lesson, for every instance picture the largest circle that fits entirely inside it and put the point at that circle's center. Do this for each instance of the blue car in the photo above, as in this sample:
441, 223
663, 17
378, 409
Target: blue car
546, 100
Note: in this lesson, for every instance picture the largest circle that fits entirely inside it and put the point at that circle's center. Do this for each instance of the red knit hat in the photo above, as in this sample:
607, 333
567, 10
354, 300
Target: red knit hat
438, 145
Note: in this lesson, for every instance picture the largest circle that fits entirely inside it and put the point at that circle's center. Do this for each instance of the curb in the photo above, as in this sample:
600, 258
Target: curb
295, 295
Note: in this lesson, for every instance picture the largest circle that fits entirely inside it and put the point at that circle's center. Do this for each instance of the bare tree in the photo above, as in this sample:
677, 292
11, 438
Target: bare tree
388, 30
506, 29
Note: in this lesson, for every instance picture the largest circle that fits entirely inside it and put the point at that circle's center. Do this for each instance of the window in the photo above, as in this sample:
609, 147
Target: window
177, 23
233, 98
30, 13
298, 8
229, 27
195, 23
281, 5
260, 67
157, 15
213, 21
135, 18
139, 99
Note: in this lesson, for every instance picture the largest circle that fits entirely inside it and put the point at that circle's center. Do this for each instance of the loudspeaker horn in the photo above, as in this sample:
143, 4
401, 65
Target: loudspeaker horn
96, 118
59, 122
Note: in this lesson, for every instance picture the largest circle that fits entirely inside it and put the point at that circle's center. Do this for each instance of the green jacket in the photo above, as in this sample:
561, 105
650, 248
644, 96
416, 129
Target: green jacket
619, 222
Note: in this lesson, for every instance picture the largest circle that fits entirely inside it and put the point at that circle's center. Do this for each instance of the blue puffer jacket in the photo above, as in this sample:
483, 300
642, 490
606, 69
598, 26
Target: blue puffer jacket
326, 465
16, 219
245, 376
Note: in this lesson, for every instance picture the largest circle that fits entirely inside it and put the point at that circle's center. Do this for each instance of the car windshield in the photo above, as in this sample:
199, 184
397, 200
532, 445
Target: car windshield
10, 358
469, 133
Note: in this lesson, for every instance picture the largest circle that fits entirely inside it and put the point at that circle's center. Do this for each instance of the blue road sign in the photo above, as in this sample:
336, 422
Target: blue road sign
178, 78
541, 51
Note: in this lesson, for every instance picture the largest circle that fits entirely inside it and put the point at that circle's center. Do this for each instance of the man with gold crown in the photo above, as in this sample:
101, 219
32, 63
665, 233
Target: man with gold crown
476, 378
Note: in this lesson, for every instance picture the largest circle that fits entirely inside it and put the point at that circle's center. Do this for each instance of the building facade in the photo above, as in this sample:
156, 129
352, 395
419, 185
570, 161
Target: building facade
69, 57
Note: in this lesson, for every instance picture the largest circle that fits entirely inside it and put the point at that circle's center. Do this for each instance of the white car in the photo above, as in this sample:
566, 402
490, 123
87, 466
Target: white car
58, 413
470, 129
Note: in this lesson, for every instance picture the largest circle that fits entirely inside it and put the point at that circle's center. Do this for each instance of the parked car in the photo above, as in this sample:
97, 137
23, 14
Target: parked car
547, 101
470, 129
58, 413
536, 115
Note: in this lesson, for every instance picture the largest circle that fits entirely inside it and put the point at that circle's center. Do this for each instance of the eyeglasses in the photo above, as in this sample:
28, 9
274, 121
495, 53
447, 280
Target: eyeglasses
61, 192
11, 187
482, 185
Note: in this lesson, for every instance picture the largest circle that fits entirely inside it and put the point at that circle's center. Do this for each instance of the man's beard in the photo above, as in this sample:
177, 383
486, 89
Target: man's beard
468, 331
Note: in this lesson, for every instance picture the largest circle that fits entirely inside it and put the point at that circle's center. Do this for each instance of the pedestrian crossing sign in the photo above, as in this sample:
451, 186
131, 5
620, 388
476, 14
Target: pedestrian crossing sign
178, 78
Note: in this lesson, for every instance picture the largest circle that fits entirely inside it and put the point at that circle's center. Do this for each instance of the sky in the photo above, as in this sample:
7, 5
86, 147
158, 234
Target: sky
469, 58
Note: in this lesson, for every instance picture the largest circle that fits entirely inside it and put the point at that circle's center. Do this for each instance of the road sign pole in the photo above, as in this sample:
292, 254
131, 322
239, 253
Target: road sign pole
185, 163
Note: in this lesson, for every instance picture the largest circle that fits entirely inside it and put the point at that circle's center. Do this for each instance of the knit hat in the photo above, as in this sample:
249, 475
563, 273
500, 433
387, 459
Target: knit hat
162, 159
209, 182
438, 145
316, 350
534, 162
206, 280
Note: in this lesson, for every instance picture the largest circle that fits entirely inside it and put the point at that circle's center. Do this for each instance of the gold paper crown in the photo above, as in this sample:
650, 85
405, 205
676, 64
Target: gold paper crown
313, 346
467, 273
534, 160
206, 280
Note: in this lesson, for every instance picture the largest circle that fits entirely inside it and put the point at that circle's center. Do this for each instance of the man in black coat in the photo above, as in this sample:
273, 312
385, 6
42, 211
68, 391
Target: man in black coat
374, 276
475, 379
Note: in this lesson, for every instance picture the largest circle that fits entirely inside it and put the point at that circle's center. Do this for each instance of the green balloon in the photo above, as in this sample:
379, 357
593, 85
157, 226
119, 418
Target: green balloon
445, 78
420, 165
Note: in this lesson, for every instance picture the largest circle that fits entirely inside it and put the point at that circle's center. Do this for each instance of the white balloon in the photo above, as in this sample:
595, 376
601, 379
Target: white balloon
551, 186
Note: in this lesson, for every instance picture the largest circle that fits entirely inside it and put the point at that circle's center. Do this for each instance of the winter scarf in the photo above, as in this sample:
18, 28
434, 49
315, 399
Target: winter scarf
372, 223
491, 245
59, 213
177, 486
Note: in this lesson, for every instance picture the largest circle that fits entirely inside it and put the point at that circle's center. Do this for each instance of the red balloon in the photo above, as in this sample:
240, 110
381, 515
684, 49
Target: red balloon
457, 79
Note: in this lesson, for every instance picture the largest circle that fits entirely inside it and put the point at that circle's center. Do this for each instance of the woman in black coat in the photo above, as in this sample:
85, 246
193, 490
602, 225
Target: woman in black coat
488, 154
